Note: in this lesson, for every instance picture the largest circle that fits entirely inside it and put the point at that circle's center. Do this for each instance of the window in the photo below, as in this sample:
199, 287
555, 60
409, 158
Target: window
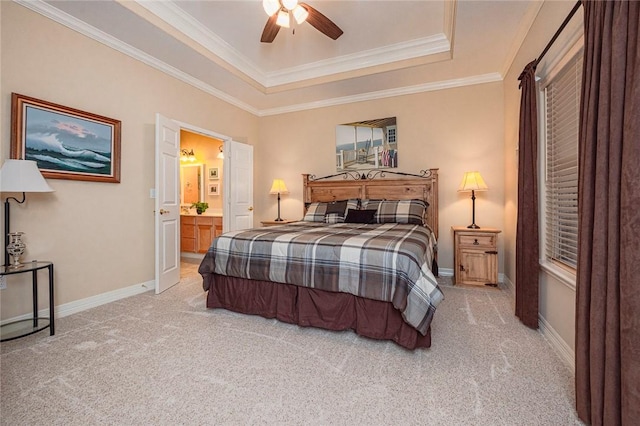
562, 112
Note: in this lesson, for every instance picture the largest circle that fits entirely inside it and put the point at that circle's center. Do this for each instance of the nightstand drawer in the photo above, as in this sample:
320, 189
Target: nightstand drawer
477, 240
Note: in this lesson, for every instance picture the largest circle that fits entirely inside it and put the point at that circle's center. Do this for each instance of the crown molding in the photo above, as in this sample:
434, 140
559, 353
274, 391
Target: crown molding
368, 58
525, 25
55, 14
83, 28
381, 94
173, 15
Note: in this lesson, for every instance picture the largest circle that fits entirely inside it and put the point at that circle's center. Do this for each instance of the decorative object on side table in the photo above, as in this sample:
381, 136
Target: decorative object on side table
278, 187
16, 248
200, 207
19, 176
472, 181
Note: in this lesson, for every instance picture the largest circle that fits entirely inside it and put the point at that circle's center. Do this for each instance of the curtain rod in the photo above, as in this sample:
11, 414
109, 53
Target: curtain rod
555, 36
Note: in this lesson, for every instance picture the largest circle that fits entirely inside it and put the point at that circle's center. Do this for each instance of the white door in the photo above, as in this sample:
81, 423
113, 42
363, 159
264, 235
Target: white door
167, 212
238, 180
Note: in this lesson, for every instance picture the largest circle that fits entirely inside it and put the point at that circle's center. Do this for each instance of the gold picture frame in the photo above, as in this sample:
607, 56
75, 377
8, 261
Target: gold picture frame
66, 143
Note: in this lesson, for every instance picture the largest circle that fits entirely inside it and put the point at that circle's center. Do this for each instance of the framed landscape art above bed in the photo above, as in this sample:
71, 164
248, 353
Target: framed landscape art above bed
367, 144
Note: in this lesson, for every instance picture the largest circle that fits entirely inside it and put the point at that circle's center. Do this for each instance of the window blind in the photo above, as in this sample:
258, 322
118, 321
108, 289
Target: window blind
562, 121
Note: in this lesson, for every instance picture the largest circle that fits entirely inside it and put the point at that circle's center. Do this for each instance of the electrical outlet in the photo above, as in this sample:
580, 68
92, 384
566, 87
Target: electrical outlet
3, 282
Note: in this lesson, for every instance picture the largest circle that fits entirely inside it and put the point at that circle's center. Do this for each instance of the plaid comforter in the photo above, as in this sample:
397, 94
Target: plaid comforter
388, 262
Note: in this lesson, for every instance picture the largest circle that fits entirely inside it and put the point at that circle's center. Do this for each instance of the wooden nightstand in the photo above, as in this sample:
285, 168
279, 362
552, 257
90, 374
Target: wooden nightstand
274, 223
475, 258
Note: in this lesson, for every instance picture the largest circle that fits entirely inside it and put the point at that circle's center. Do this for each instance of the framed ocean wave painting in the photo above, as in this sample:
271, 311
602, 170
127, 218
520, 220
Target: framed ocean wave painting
65, 142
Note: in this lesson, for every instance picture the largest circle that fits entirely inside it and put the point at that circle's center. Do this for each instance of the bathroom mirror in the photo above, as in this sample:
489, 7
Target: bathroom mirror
192, 188
368, 144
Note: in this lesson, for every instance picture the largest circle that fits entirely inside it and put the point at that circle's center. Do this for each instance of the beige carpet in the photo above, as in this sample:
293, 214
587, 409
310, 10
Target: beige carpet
167, 360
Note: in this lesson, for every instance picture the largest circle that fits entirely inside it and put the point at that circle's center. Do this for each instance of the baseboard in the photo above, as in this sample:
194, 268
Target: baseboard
509, 286
563, 350
445, 272
89, 302
448, 272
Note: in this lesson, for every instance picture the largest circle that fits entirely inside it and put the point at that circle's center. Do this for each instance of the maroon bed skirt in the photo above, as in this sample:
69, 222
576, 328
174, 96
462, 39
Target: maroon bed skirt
310, 307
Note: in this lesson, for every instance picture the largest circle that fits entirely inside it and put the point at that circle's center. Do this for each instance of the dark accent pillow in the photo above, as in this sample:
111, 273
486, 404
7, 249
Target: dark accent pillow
338, 207
360, 216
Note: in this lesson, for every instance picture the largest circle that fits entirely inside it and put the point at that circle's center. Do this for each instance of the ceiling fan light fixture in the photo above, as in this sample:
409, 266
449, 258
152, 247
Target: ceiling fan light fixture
300, 14
290, 4
271, 6
283, 18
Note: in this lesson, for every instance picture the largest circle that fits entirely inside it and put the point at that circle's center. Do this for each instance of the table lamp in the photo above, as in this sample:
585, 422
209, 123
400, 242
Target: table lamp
278, 187
19, 176
472, 181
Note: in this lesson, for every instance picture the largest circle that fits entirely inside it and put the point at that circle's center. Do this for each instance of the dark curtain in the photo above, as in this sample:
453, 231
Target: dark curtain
608, 280
527, 227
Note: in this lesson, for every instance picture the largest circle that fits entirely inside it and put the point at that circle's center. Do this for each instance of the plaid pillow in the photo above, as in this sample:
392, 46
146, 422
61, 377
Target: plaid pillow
401, 211
332, 218
315, 212
369, 204
353, 204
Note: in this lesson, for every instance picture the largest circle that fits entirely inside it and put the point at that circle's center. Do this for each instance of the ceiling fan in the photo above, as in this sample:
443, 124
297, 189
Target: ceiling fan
279, 11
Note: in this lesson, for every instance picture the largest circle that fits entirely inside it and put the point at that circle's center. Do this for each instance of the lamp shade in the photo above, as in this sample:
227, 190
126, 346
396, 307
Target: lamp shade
472, 181
278, 187
22, 176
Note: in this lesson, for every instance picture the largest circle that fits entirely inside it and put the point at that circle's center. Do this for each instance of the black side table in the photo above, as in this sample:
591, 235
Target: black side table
25, 327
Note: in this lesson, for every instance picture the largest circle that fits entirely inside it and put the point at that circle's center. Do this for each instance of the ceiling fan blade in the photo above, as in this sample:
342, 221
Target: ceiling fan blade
270, 29
322, 23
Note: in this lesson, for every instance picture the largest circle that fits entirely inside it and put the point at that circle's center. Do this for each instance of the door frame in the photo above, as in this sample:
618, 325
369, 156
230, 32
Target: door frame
225, 139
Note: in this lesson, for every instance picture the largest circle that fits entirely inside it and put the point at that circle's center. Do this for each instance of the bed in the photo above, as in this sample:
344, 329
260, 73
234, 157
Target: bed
362, 258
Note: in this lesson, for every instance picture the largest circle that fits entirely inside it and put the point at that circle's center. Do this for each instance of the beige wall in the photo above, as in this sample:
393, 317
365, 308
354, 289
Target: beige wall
455, 130
557, 301
99, 235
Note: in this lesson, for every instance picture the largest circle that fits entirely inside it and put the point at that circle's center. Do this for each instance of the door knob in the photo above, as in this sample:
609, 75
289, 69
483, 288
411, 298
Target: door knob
250, 209
163, 211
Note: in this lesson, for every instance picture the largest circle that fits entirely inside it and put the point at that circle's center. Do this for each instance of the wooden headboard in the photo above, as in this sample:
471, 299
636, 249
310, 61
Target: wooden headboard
376, 186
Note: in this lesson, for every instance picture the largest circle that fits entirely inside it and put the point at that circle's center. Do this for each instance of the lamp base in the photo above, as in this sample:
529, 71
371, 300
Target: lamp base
278, 220
473, 226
